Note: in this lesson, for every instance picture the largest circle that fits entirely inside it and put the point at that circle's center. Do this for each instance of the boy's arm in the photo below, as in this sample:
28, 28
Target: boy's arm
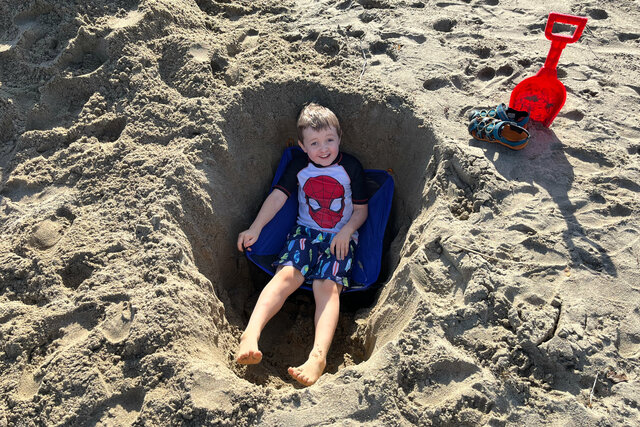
269, 209
358, 217
340, 243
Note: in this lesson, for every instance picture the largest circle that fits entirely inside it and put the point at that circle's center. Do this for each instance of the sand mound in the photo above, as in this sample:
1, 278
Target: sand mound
137, 138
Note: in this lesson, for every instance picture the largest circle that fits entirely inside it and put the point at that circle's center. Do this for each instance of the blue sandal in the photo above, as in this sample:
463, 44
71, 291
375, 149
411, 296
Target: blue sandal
492, 130
503, 113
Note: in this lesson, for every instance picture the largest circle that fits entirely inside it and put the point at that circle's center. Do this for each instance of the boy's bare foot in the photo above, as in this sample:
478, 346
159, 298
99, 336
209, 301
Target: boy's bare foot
309, 372
248, 353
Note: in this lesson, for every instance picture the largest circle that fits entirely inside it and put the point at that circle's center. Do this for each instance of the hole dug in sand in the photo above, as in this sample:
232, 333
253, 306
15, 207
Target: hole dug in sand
383, 132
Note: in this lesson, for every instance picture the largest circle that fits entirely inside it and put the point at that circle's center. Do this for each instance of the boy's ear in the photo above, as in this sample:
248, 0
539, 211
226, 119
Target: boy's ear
302, 146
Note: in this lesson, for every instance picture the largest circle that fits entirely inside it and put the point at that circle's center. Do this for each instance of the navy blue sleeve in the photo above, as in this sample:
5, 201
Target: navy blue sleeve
355, 171
288, 182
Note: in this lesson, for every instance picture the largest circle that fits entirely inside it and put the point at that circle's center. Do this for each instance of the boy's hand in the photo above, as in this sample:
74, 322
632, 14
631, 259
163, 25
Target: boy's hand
340, 244
247, 238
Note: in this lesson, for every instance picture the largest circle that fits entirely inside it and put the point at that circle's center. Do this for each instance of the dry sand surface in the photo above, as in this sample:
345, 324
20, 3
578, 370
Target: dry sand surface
138, 137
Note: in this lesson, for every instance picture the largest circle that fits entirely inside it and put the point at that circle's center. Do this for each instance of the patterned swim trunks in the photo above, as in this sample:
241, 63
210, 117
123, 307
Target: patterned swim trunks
309, 251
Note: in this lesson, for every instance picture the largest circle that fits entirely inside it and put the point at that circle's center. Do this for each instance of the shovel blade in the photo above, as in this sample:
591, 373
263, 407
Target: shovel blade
542, 96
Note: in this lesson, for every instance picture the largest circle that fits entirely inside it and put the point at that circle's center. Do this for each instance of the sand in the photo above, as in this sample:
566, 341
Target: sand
137, 138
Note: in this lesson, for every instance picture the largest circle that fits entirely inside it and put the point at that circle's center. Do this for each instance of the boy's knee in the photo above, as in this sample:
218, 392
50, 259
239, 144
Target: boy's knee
327, 286
290, 274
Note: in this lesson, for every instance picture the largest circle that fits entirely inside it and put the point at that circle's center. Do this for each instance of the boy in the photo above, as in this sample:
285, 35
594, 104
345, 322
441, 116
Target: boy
332, 200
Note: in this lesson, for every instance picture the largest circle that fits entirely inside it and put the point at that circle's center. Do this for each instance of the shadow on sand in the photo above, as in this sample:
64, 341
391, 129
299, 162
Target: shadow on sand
544, 163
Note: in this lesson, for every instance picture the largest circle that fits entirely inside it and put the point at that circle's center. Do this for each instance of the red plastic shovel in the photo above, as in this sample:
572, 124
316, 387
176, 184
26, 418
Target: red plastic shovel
543, 95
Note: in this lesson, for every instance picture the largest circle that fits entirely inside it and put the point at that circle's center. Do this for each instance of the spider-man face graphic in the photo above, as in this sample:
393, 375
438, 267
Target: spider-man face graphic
325, 197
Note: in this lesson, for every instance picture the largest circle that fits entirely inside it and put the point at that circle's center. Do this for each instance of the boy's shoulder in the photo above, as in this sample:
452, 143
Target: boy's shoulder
299, 158
348, 157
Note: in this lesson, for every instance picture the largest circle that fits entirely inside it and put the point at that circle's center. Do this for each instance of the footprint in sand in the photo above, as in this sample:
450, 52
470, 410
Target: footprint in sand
84, 54
505, 70
534, 319
486, 73
77, 269
61, 100
73, 329
449, 380
327, 44
28, 385
118, 320
628, 339
46, 234
208, 391
219, 66
34, 37
130, 20
598, 14
106, 128
483, 52
435, 83
444, 25
623, 37
575, 115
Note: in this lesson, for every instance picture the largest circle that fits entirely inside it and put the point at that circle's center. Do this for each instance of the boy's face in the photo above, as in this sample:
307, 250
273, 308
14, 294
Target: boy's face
321, 145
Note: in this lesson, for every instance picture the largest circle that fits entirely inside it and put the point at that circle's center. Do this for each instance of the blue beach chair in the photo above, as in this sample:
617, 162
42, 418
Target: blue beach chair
368, 254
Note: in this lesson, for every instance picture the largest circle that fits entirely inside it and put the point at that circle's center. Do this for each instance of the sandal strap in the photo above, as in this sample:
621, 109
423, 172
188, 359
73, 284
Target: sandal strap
484, 113
503, 113
486, 127
512, 115
490, 130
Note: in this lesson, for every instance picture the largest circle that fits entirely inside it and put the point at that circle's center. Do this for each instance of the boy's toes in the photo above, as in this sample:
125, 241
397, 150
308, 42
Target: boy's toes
294, 372
304, 380
250, 358
298, 375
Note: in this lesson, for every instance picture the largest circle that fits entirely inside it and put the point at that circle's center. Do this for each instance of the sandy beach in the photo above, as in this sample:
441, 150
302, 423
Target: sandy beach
139, 137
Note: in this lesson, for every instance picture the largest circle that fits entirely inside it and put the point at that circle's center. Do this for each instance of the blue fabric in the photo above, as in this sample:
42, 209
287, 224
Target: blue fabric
368, 254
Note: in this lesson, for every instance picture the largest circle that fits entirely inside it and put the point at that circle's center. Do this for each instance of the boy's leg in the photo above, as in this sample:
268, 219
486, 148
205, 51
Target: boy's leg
284, 282
327, 296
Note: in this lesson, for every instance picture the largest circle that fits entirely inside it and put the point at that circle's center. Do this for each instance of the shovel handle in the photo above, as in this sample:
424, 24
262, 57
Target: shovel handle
579, 21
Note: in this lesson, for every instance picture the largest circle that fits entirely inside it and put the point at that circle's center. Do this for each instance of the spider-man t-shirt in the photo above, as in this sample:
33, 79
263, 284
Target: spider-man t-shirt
326, 194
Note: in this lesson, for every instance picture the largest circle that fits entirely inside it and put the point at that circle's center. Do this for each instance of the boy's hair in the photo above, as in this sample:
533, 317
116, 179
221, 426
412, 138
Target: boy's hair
317, 117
